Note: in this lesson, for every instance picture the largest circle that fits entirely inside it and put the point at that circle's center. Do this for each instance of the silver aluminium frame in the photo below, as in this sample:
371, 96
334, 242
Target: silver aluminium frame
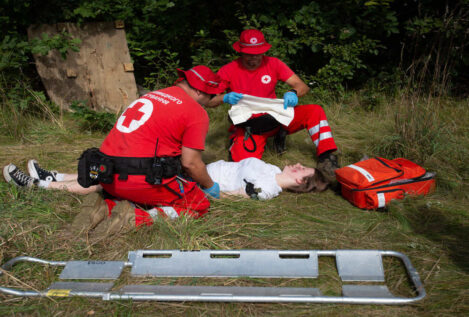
353, 266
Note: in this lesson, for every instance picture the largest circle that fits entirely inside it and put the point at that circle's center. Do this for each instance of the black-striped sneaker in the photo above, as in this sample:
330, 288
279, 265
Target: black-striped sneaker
36, 171
14, 175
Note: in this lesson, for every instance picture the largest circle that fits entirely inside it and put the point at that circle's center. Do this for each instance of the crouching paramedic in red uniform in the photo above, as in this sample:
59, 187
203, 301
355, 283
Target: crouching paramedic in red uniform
257, 75
157, 139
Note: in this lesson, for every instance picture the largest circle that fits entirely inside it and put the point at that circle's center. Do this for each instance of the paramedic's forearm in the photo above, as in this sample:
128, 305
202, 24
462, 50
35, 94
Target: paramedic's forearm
215, 101
192, 163
296, 83
198, 172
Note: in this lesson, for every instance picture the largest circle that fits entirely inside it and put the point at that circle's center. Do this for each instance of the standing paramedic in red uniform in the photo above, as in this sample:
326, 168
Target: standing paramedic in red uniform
158, 137
255, 74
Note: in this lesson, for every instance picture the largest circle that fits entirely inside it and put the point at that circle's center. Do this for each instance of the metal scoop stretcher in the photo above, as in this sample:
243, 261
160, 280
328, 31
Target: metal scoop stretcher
353, 266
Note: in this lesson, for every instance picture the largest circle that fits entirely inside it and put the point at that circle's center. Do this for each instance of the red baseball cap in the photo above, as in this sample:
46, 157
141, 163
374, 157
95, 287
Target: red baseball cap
251, 42
202, 78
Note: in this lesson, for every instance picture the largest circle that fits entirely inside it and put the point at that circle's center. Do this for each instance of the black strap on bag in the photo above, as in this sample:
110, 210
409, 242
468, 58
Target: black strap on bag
248, 135
258, 125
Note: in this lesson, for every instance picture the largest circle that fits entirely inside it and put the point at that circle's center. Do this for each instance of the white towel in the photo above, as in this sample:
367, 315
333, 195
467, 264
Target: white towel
249, 105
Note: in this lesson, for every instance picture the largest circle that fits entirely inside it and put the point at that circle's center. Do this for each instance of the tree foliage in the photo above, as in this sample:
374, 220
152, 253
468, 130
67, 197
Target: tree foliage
333, 43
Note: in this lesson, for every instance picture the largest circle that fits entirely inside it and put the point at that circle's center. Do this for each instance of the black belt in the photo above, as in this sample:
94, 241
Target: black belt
95, 166
154, 168
141, 165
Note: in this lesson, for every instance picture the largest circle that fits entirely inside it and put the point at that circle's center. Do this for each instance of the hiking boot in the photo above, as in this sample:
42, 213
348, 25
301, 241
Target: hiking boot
280, 141
14, 175
327, 164
93, 211
37, 172
98, 213
122, 220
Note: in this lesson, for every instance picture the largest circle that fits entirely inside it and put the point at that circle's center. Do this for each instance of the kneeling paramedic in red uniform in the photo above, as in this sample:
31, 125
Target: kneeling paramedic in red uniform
158, 139
255, 74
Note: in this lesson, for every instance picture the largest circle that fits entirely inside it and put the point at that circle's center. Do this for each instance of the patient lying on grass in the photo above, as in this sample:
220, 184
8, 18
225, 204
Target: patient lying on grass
250, 177
103, 217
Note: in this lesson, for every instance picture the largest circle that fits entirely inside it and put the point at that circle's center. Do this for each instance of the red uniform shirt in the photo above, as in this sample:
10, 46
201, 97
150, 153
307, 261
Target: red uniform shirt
169, 115
259, 82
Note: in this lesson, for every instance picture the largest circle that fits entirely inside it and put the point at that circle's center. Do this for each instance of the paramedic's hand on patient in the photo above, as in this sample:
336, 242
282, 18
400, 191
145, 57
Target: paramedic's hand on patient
232, 98
213, 191
290, 99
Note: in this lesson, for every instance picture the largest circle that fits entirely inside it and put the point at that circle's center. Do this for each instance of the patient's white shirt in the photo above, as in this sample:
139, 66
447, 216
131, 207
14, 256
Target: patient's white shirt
231, 175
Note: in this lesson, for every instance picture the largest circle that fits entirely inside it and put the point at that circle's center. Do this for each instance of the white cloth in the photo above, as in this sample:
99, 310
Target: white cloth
231, 175
249, 105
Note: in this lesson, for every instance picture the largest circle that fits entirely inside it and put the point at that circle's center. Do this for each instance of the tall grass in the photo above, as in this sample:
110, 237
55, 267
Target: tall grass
21, 106
432, 230
430, 130
417, 130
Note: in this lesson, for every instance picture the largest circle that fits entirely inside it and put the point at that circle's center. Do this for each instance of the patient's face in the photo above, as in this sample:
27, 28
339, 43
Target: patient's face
298, 171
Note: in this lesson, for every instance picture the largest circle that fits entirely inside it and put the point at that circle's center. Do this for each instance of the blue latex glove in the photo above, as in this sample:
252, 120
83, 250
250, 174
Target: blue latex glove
232, 98
290, 99
213, 191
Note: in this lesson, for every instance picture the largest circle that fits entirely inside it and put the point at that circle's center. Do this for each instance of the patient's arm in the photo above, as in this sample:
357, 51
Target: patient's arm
240, 193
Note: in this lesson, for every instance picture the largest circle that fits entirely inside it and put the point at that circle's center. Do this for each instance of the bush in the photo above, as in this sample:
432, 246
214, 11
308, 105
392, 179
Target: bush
91, 120
338, 44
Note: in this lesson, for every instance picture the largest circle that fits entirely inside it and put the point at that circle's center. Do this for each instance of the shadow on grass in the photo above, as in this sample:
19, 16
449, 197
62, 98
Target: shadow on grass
452, 235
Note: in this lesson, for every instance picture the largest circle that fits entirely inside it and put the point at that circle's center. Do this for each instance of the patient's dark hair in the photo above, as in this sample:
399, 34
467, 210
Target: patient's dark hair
311, 183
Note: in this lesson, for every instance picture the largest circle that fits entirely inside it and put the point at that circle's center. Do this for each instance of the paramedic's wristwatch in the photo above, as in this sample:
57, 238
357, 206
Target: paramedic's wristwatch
293, 90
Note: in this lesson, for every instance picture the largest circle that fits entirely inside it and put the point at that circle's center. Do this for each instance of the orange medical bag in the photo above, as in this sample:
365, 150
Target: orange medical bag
373, 183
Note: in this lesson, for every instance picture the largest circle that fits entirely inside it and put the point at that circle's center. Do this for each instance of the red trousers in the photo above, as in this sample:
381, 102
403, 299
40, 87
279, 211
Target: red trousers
310, 117
142, 217
184, 196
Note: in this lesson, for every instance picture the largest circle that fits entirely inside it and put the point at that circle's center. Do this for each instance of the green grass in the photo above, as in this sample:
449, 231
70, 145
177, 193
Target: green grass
432, 231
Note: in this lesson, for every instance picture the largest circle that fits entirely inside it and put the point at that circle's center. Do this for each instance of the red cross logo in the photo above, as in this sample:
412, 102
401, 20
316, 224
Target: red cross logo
135, 116
266, 79
133, 113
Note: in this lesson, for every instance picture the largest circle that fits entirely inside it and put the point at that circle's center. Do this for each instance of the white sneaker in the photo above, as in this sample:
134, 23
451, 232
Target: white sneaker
14, 175
36, 171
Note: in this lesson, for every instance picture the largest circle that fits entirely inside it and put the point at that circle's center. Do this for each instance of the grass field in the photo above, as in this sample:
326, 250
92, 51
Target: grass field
432, 231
